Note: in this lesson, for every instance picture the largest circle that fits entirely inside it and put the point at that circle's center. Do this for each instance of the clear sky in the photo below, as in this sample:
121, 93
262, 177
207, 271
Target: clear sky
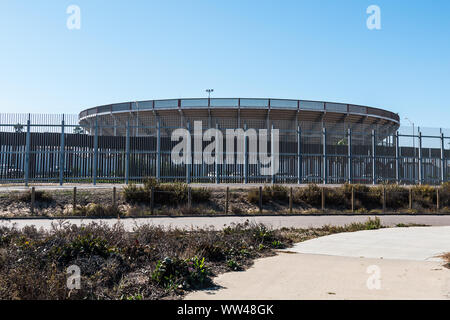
141, 50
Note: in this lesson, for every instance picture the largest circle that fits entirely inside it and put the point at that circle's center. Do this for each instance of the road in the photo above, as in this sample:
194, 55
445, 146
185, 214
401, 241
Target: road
221, 221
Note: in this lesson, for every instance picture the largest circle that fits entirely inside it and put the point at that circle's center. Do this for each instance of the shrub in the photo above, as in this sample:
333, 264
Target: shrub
165, 193
233, 265
97, 210
276, 193
200, 195
135, 194
424, 195
269, 193
83, 246
39, 196
310, 195
189, 274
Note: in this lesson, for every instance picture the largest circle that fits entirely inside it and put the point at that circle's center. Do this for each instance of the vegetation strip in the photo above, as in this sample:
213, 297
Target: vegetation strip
148, 263
179, 199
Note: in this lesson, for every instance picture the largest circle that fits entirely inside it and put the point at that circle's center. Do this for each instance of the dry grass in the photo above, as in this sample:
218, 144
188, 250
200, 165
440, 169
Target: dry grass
446, 257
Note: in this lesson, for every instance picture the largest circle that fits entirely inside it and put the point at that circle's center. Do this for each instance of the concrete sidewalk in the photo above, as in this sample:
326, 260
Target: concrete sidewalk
342, 266
414, 243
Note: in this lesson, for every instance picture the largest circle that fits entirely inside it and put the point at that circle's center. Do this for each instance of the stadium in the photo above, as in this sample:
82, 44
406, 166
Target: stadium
319, 142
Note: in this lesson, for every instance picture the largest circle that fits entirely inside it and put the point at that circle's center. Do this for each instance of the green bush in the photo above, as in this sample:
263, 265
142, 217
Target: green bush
189, 274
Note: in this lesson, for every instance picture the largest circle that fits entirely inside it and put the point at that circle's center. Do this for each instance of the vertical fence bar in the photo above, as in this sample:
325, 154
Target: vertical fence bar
299, 155
324, 156
61, 154
420, 158
27, 152
374, 167
397, 157
216, 162
272, 155
158, 150
188, 156
95, 161
245, 155
442, 158
349, 163
127, 153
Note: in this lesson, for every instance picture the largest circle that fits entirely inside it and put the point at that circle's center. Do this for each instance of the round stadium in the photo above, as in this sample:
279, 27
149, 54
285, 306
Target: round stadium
317, 142
314, 137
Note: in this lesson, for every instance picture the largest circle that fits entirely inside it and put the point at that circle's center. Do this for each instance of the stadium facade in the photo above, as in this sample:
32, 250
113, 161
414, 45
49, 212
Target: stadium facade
320, 142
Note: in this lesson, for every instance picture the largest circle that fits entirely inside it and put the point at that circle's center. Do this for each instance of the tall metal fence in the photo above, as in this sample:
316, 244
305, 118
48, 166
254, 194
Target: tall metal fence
56, 148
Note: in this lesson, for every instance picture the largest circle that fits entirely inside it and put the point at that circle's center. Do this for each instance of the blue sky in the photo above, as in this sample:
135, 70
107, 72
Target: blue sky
139, 50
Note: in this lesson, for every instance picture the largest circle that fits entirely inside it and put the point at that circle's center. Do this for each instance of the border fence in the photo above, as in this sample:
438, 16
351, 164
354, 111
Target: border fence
58, 149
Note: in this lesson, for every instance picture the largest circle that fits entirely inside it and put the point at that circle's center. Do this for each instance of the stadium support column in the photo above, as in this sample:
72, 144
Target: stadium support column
95, 162
349, 157
442, 157
299, 155
189, 156
397, 157
27, 152
127, 153
374, 165
245, 154
158, 151
324, 156
420, 158
61, 153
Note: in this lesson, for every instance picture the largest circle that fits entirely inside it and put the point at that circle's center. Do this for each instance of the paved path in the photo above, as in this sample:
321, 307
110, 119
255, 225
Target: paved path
416, 243
397, 263
221, 221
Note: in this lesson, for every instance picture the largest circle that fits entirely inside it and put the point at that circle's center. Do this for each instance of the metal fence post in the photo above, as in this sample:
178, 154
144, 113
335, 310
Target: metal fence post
350, 167
299, 155
420, 159
374, 167
61, 154
397, 157
245, 155
324, 156
158, 151
442, 158
95, 162
127, 153
27, 152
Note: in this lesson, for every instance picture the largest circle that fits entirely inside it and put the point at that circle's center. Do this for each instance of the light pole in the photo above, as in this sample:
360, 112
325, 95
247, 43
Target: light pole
209, 92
